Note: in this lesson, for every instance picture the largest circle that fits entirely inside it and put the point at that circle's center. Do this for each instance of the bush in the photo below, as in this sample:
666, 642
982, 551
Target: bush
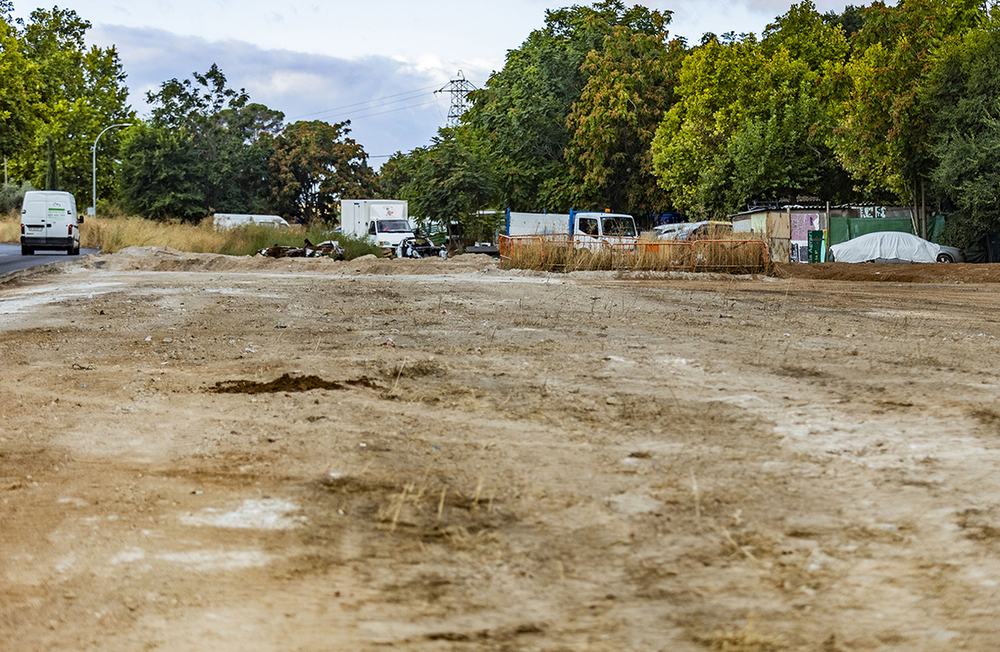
12, 196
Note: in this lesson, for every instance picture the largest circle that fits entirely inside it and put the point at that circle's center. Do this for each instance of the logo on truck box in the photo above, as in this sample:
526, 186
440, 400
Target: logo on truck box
381, 211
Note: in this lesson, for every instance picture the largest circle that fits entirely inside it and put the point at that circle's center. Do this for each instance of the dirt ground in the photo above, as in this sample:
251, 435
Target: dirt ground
209, 453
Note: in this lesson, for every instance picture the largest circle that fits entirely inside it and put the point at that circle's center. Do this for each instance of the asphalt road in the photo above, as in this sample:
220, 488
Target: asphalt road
11, 258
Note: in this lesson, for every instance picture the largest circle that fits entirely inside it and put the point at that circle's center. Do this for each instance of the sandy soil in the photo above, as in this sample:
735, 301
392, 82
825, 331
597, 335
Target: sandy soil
210, 453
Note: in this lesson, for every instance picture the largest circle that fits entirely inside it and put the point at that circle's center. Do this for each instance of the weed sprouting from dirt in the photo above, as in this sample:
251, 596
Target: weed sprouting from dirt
432, 508
745, 639
413, 369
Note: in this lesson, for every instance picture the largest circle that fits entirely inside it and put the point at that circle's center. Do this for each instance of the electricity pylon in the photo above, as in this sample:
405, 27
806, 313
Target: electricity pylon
459, 87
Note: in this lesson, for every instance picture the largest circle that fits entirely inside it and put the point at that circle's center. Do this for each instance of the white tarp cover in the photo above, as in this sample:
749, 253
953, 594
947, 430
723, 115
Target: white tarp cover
886, 245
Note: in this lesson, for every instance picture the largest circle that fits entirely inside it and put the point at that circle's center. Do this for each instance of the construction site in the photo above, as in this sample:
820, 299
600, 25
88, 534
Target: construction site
206, 452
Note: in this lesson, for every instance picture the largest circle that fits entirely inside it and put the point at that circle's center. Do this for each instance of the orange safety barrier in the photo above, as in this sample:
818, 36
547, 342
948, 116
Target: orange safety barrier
562, 252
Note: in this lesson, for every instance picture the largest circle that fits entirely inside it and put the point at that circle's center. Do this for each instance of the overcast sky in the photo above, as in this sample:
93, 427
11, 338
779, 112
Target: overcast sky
375, 62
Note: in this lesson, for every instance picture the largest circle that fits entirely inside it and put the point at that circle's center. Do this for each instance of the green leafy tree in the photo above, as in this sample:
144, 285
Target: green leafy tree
750, 123
232, 136
851, 21
313, 166
393, 175
447, 184
159, 175
629, 89
519, 121
80, 92
223, 141
964, 97
18, 89
52, 168
882, 134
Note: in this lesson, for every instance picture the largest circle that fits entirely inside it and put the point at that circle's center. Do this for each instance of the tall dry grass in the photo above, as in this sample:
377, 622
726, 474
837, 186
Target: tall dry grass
738, 253
111, 234
557, 255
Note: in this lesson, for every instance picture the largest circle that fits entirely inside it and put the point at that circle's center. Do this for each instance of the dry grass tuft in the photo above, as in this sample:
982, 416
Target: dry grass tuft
745, 639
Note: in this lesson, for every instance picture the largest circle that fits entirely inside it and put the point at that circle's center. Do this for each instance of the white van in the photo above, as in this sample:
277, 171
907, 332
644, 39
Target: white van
49, 221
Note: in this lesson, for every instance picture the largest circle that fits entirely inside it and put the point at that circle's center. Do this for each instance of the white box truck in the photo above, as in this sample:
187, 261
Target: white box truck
383, 221
49, 221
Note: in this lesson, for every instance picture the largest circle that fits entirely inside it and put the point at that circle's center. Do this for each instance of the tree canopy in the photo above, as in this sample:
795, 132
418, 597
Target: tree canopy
519, 124
313, 165
76, 92
964, 97
750, 121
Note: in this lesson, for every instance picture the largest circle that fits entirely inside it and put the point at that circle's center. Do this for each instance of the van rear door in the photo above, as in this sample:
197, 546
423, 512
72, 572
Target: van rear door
34, 215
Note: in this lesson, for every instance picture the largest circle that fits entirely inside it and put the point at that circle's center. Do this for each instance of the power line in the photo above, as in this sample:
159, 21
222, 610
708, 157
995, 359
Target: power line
401, 108
415, 93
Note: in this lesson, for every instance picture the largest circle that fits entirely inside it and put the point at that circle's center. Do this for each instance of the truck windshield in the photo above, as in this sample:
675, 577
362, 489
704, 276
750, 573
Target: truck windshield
393, 226
619, 226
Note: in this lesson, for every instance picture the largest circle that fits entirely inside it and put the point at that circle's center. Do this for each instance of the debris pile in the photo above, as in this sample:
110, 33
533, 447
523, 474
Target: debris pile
419, 247
329, 248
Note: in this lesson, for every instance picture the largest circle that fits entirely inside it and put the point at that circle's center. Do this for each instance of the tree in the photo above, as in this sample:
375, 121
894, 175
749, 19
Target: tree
231, 135
629, 89
159, 176
750, 123
446, 183
80, 92
222, 141
314, 165
52, 167
518, 123
963, 95
851, 21
882, 133
18, 89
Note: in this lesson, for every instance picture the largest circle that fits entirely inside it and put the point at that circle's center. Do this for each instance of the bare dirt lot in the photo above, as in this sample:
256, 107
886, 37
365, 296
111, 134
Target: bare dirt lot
210, 453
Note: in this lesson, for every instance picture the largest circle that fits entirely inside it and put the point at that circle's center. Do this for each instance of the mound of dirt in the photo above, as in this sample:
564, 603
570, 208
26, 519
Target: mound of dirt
166, 259
893, 273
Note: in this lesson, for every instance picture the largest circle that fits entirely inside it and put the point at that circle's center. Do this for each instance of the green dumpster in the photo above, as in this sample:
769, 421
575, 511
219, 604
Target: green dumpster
817, 242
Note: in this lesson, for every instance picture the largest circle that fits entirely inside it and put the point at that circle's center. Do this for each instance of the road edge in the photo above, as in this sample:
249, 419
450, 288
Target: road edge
40, 269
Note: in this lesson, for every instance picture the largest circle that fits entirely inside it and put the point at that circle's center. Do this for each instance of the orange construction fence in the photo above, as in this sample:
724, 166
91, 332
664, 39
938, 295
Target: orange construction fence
563, 252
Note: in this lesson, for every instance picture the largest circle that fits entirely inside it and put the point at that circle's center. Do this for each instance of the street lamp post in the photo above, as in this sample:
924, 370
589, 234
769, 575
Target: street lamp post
93, 208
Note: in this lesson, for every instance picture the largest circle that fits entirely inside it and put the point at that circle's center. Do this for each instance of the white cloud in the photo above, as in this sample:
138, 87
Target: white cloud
375, 63
391, 103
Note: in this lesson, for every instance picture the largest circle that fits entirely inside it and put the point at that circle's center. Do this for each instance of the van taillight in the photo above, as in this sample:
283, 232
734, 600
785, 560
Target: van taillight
70, 229
22, 228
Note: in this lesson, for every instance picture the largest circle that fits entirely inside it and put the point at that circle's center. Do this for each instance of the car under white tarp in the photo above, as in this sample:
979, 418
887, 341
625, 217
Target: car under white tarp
886, 246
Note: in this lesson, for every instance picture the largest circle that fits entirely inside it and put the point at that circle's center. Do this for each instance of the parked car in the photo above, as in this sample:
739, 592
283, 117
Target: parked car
419, 247
705, 230
893, 247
